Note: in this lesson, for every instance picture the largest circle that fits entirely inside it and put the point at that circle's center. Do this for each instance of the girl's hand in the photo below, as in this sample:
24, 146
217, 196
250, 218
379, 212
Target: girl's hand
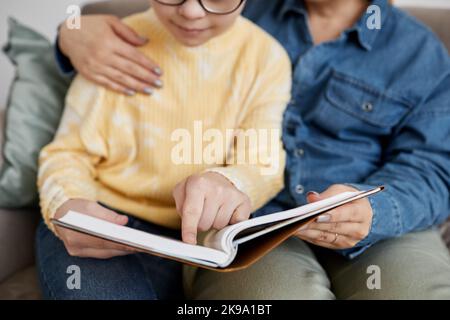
206, 201
340, 228
81, 245
104, 51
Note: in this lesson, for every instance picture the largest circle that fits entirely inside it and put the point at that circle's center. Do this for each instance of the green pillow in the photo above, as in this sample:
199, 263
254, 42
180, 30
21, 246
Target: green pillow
33, 112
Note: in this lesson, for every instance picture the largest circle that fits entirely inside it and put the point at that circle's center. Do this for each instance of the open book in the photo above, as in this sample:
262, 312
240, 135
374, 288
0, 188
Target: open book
234, 247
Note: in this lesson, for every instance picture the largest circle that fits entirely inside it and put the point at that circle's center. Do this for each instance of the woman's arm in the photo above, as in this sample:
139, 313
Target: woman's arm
104, 50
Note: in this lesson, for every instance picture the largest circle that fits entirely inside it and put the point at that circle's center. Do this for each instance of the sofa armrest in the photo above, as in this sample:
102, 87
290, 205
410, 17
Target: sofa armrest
437, 19
17, 231
118, 8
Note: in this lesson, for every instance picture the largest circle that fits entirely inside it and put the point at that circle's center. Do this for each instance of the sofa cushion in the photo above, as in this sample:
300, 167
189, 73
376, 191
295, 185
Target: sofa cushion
35, 104
17, 233
23, 285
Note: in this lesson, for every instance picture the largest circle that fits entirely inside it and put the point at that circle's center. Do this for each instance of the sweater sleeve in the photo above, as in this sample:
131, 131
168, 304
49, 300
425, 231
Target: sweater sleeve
256, 162
67, 166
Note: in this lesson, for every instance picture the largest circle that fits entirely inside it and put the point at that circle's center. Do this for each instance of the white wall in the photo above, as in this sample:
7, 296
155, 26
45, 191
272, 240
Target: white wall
45, 15
42, 15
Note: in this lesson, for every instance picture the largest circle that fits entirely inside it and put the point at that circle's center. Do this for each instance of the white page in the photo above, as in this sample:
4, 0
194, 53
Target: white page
224, 237
305, 209
144, 240
312, 211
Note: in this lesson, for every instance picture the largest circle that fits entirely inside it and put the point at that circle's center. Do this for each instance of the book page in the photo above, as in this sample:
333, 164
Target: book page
143, 240
225, 239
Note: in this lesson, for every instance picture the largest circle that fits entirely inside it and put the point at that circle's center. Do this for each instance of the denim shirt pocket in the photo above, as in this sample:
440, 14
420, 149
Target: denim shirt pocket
355, 105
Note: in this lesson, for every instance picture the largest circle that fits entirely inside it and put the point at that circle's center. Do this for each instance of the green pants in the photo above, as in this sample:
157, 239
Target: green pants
414, 266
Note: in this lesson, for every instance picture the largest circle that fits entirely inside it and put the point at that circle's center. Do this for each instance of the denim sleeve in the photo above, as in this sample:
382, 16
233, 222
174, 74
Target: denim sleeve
63, 62
416, 174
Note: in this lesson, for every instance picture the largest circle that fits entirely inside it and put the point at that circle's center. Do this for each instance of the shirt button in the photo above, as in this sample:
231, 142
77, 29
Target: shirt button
299, 152
367, 106
299, 189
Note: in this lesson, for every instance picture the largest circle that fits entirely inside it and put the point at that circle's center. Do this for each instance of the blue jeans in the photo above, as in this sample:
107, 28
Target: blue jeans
137, 276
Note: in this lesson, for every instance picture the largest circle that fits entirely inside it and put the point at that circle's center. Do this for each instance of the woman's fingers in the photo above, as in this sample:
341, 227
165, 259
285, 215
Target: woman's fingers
134, 55
126, 33
127, 81
127, 47
110, 84
106, 42
131, 75
317, 235
132, 69
350, 229
345, 213
326, 239
346, 225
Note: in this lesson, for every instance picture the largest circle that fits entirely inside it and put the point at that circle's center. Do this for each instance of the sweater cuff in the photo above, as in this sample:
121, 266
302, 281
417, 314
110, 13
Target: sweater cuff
65, 66
55, 197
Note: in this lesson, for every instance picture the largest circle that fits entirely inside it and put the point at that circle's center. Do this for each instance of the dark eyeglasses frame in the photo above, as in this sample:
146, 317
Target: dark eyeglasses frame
202, 5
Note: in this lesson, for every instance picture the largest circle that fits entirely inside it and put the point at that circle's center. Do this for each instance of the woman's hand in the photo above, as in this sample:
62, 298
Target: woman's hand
340, 228
81, 245
104, 51
206, 201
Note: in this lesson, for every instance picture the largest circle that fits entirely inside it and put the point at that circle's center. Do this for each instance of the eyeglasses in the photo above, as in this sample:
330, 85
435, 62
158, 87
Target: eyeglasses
210, 6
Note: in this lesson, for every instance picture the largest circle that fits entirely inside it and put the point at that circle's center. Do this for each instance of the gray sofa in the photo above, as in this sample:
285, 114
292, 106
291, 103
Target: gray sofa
17, 227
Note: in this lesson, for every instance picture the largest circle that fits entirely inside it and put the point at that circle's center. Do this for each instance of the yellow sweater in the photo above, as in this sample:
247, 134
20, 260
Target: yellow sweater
120, 150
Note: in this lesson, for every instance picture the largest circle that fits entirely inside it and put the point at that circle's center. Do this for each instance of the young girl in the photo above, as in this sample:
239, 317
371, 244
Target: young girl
118, 157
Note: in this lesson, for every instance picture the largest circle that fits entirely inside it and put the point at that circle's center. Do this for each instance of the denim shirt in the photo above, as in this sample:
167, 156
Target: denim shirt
370, 108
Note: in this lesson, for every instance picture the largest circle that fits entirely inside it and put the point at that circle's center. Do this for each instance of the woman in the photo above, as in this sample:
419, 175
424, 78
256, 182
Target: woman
369, 107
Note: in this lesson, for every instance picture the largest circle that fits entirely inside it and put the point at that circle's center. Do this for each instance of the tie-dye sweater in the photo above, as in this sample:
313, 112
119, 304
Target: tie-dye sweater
129, 152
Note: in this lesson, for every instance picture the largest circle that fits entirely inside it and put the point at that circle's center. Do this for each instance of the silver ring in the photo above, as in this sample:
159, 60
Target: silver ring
335, 238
